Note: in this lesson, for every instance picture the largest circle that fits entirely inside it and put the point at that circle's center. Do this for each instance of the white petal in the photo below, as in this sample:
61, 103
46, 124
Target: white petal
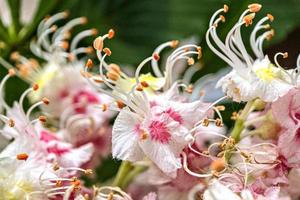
125, 139
78, 156
217, 191
162, 156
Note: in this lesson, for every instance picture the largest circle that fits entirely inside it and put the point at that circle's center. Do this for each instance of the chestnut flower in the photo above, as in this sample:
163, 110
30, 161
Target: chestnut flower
250, 77
155, 125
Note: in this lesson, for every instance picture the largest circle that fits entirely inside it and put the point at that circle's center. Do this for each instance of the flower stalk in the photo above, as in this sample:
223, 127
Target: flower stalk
239, 124
123, 171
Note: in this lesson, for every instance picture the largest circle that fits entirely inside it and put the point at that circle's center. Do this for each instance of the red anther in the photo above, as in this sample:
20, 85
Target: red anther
22, 156
156, 56
144, 84
120, 104
46, 101
139, 88
43, 118
35, 87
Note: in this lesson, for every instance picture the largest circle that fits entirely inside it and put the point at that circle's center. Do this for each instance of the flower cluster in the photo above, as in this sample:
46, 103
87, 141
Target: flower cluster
173, 144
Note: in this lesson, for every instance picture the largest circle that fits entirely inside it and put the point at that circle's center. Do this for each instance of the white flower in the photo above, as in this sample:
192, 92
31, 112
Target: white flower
217, 191
250, 77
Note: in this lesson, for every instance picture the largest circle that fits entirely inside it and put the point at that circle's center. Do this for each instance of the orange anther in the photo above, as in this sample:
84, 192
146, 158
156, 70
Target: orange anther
225, 8
111, 33
107, 51
112, 75
248, 19
89, 63
11, 72
98, 43
254, 7
218, 165
114, 67
83, 20
104, 107
11, 123
271, 17
174, 43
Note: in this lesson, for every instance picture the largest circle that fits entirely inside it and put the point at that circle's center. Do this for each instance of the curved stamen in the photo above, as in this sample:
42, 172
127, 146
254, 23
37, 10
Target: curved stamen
46, 23
81, 36
185, 167
257, 28
2, 84
60, 33
220, 54
25, 93
157, 51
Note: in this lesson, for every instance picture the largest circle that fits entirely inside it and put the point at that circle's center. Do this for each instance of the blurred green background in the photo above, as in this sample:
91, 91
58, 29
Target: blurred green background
140, 26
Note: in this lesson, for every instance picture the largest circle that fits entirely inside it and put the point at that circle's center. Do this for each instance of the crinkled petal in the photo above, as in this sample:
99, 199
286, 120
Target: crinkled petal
125, 139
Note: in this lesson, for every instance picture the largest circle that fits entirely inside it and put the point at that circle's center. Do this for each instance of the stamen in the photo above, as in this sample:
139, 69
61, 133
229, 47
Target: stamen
81, 36
11, 72
185, 167
43, 101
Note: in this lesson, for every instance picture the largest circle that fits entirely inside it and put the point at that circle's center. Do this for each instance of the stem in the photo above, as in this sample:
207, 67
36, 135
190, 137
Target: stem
239, 124
136, 171
122, 173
